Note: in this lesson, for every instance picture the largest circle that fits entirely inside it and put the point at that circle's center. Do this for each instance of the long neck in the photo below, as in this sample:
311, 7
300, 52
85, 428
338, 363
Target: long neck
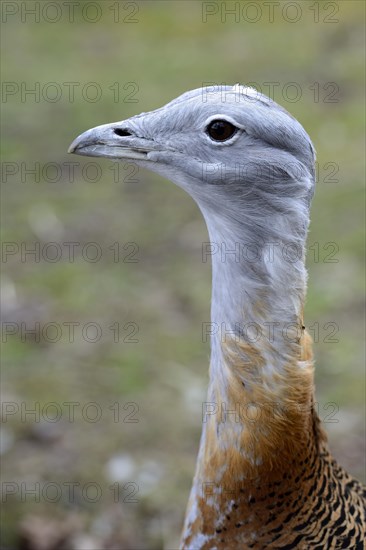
257, 342
259, 411
258, 292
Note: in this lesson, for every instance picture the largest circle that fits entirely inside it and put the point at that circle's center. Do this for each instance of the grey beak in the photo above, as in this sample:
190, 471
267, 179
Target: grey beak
114, 140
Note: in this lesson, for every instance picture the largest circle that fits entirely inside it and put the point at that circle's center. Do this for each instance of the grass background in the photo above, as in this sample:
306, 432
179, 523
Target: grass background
167, 50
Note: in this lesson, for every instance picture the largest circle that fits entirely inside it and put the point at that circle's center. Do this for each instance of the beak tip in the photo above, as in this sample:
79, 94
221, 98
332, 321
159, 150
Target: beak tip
72, 147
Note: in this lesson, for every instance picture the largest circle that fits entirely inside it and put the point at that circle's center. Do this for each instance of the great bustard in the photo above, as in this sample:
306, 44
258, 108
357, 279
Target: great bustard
264, 476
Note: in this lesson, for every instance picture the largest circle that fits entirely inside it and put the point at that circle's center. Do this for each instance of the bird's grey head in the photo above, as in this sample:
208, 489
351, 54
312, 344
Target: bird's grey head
242, 157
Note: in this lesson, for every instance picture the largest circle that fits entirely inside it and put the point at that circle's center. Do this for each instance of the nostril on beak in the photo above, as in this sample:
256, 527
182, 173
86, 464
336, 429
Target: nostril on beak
121, 132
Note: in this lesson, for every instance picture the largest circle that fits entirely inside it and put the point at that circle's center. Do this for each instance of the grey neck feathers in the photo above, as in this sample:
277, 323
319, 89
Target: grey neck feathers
258, 278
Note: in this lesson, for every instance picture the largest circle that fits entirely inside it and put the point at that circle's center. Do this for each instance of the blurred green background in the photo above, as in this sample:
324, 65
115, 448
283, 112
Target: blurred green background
144, 387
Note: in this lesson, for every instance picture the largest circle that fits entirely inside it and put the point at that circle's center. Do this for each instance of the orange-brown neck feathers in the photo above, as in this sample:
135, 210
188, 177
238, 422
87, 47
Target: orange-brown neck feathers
262, 415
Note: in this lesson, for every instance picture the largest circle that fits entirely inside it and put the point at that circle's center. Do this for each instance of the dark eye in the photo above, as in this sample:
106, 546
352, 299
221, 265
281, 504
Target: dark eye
220, 130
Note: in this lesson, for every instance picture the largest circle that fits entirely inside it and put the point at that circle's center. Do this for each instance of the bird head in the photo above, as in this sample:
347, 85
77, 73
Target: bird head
237, 152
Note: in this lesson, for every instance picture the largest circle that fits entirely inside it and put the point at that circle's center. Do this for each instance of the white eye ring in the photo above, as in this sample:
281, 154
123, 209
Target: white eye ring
230, 138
